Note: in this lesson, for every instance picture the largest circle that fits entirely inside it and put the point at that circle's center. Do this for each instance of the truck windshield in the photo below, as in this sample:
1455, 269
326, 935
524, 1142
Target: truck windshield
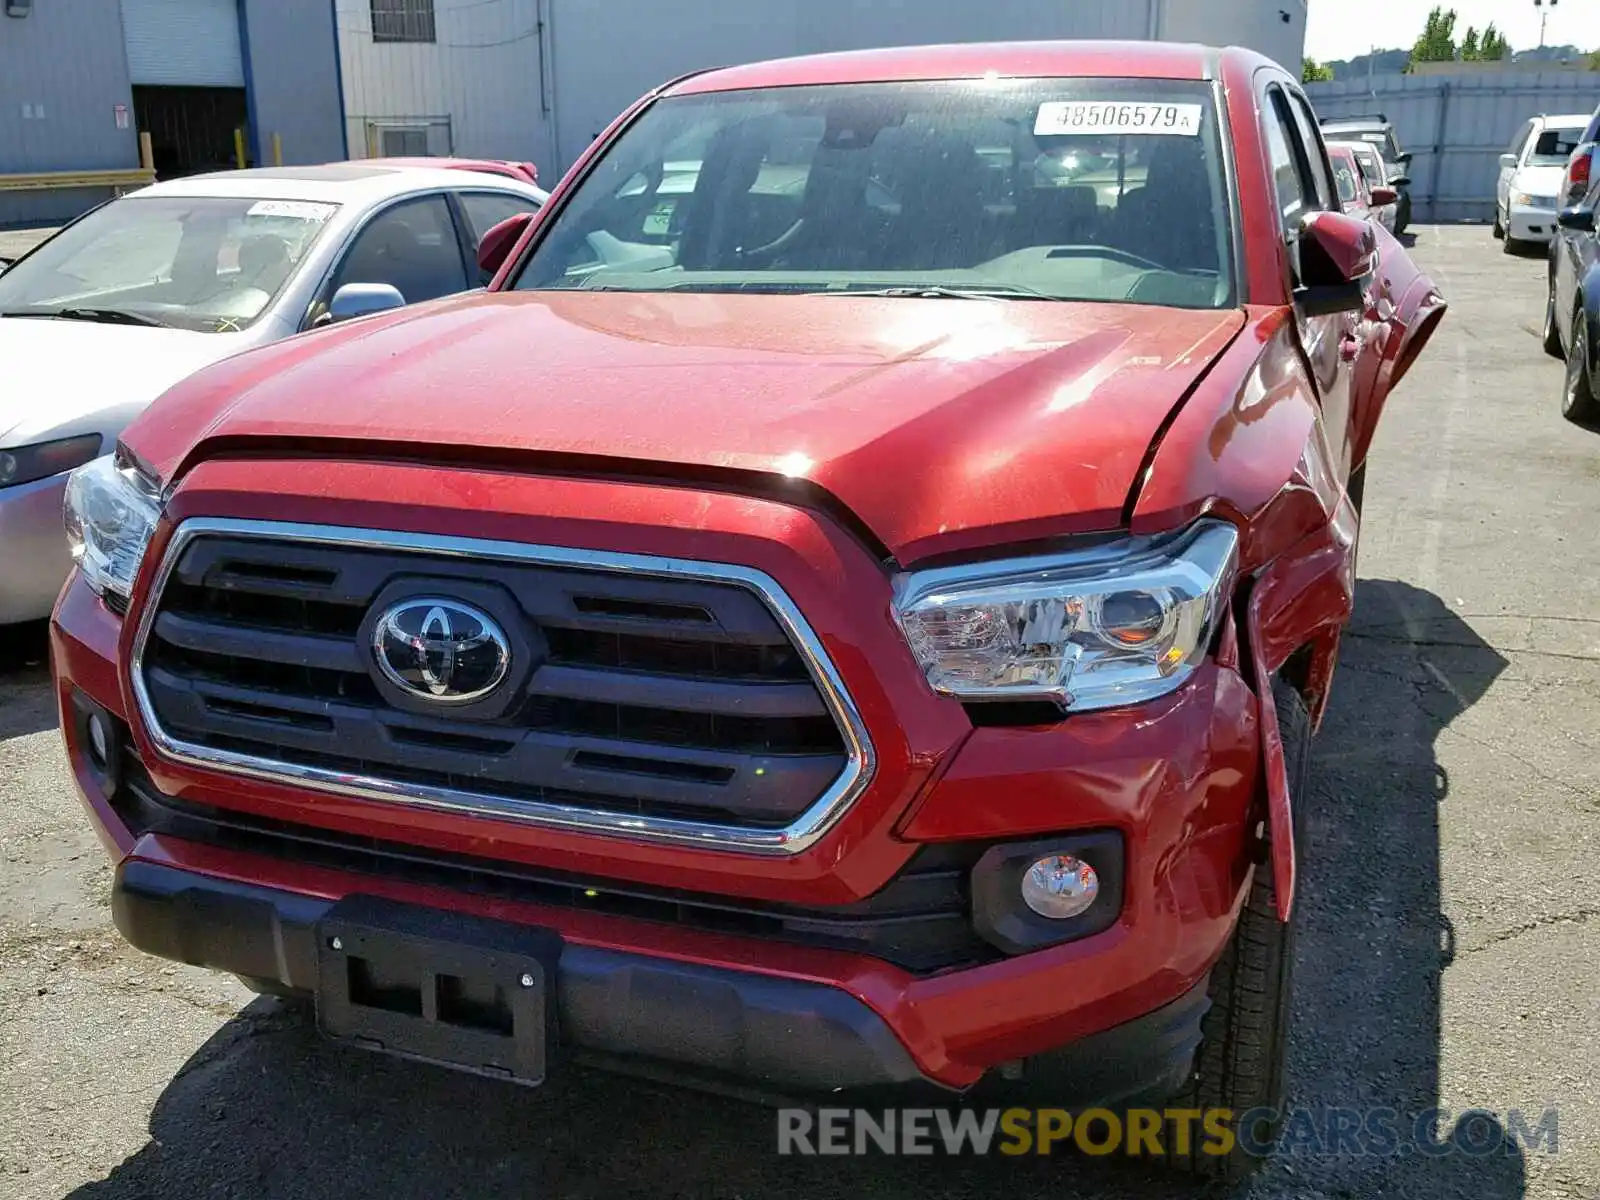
1081, 189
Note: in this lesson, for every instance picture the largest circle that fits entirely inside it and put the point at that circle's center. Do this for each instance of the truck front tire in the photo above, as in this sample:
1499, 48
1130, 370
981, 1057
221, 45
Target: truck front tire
1242, 1061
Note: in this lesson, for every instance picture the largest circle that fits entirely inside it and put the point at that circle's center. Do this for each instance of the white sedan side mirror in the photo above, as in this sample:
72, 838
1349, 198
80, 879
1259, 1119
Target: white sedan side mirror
362, 300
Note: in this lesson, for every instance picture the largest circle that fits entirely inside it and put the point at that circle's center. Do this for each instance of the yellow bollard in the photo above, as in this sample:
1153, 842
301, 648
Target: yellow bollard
147, 153
238, 147
277, 150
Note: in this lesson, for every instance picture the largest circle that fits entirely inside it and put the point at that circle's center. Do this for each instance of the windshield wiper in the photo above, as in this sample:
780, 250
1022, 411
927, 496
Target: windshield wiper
105, 316
940, 292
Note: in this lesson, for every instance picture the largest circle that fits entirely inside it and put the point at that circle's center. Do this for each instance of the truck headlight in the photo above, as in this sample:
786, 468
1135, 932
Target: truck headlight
110, 512
1118, 622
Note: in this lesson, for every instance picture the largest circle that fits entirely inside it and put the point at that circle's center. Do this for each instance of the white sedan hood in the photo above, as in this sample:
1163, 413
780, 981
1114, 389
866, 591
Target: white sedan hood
63, 378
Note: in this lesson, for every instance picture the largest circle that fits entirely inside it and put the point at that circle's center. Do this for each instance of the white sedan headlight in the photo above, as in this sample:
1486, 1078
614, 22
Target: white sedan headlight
111, 512
1116, 623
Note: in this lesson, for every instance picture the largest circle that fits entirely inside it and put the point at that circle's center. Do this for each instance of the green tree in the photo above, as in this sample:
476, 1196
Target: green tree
1438, 40
1311, 71
1469, 44
1494, 46
1594, 60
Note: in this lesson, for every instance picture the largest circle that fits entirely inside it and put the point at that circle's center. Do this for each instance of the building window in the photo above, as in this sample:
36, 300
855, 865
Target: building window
405, 143
402, 21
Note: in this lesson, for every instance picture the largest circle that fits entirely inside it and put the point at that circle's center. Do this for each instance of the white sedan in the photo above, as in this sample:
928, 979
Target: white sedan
1530, 179
100, 319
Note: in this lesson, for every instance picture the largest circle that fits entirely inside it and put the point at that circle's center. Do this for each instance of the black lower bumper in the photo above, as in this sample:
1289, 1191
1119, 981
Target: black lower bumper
777, 1037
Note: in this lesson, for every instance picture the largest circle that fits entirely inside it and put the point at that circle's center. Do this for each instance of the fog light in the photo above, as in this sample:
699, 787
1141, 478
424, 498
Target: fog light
1060, 886
99, 740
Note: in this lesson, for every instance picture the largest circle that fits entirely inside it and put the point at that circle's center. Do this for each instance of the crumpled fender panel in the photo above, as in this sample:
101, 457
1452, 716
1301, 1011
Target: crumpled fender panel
1256, 452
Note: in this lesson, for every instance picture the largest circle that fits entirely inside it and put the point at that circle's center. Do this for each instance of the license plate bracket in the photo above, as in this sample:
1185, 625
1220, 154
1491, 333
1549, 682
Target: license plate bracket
448, 988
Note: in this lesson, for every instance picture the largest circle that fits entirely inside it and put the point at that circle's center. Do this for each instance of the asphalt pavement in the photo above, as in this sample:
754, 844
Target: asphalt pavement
1448, 953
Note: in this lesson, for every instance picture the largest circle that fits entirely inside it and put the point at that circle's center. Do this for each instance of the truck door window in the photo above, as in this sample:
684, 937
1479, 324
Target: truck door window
1295, 196
1316, 154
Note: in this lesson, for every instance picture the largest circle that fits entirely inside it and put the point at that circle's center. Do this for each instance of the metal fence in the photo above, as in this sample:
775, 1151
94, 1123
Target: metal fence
1456, 126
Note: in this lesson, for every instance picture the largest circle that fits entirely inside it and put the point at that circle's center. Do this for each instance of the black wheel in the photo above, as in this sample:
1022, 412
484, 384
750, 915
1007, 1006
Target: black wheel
1402, 214
1499, 230
1552, 327
1511, 245
1242, 1059
1578, 402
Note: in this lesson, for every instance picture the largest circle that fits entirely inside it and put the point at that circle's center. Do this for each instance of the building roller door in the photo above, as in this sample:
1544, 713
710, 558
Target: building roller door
183, 43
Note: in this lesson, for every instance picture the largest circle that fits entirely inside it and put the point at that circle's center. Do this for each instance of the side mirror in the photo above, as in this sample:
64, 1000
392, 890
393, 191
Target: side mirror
495, 246
1400, 181
362, 300
1579, 219
1385, 195
1337, 253
1508, 160
1403, 159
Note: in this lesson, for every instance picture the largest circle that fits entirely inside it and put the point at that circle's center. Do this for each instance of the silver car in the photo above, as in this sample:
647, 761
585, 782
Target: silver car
118, 306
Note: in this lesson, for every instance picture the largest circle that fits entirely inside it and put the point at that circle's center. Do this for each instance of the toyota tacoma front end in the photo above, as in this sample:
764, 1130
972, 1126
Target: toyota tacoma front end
847, 607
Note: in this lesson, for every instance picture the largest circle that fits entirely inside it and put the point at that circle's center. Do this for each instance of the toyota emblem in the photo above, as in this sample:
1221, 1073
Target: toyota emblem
441, 650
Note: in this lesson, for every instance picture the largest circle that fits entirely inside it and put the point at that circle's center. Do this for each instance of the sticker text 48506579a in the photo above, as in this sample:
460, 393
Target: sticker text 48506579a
1058, 117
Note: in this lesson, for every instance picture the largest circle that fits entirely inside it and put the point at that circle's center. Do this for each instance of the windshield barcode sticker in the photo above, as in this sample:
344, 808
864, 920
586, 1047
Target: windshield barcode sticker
299, 210
1107, 116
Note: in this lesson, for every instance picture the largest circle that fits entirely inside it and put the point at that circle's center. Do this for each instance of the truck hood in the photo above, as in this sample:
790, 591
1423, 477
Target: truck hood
63, 378
940, 424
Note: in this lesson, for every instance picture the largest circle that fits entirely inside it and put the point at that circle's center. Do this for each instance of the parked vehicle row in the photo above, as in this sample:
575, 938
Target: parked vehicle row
859, 584
100, 319
1393, 166
1363, 186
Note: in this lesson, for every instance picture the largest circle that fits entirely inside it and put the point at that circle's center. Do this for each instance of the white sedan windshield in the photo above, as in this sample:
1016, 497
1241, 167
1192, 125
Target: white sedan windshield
1083, 189
206, 263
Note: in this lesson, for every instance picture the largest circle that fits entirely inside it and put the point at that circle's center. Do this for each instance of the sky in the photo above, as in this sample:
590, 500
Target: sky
1342, 29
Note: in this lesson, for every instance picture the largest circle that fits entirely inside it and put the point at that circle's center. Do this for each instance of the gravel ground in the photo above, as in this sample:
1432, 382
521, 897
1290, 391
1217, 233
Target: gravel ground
1447, 958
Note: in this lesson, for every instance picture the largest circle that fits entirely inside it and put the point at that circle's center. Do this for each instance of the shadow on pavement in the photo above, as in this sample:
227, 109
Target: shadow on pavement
26, 703
265, 1110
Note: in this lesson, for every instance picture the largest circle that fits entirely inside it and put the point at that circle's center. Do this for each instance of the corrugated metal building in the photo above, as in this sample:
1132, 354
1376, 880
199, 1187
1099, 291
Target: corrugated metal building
538, 79
79, 80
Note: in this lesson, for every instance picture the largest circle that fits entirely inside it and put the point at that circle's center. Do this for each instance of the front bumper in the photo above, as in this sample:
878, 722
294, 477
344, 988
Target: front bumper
700, 1023
1526, 224
35, 542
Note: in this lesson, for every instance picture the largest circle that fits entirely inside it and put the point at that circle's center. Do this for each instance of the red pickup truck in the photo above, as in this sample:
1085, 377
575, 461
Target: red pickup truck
847, 606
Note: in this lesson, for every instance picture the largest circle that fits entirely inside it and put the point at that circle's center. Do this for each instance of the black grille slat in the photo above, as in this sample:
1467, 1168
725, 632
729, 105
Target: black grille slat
686, 695
234, 640
667, 696
675, 656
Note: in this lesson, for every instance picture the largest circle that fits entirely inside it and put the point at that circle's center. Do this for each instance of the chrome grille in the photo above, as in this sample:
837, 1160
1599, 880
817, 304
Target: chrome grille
671, 700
